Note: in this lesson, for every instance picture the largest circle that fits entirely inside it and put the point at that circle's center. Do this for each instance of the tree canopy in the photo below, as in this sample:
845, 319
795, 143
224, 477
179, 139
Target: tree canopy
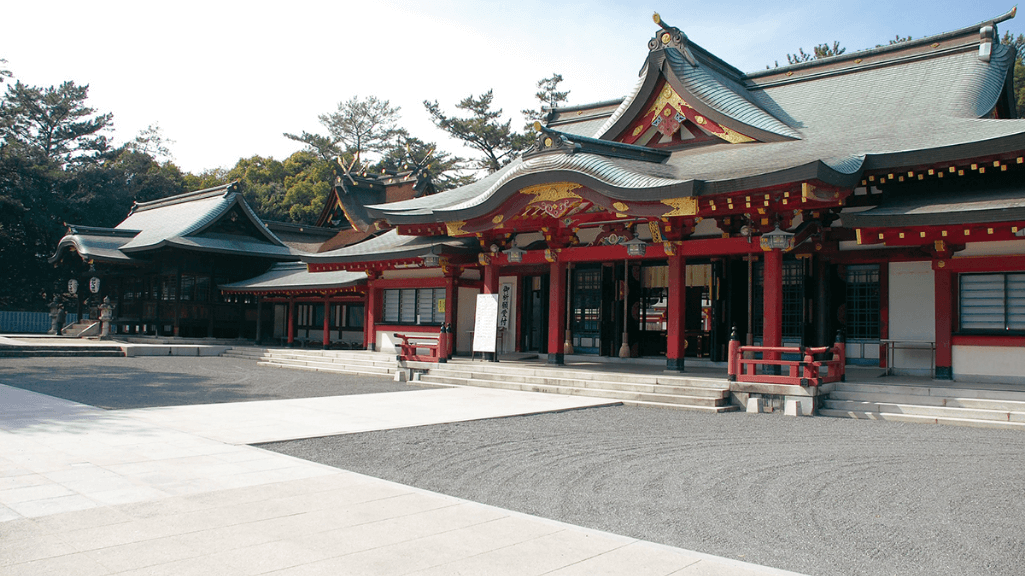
549, 97
481, 129
358, 127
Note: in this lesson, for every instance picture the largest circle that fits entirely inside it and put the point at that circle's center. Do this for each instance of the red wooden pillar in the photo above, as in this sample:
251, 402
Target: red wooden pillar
772, 292
450, 316
944, 312
490, 279
370, 328
676, 335
557, 313
291, 321
327, 324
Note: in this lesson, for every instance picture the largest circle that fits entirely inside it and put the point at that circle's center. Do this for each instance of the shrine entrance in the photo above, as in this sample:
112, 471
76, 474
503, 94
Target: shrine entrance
535, 314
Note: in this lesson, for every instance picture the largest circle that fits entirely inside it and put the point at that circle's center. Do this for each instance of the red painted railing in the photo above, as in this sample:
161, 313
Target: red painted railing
803, 372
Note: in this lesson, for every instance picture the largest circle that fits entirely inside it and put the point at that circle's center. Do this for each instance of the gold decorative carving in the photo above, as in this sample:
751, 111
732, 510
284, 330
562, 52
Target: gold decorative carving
551, 255
484, 259
734, 137
552, 192
667, 96
638, 130
670, 248
656, 233
620, 207
456, 228
681, 207
497, 219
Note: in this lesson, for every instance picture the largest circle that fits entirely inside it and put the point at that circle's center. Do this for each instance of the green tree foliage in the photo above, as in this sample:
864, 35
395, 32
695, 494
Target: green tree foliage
363, 127
289, 191
1018, 43
57, 168
549, 96
56, 122
820, 51
481, 130
446, 171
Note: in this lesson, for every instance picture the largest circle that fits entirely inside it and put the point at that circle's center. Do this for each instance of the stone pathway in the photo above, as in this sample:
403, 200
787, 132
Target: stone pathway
172, 491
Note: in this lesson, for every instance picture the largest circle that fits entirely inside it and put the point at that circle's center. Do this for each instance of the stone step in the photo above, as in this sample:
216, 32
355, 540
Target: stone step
85, 351
310, 363
455, 377
894, 417
942, 401
333, 368
673, 399
934, 391
715, 409
482, 370
883, 407
368, 362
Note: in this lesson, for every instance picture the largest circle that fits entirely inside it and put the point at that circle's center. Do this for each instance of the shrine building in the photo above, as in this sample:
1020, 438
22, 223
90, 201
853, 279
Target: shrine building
877, 193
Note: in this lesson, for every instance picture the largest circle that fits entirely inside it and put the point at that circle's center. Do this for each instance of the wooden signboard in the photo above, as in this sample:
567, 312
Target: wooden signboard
485, 327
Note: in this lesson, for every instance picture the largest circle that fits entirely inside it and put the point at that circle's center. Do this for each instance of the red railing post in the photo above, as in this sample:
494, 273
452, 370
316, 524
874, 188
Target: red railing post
733, 356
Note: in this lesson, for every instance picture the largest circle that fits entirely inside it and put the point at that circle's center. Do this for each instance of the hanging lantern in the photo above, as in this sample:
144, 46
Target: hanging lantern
777, 239
94, 285
72, 286
514, 254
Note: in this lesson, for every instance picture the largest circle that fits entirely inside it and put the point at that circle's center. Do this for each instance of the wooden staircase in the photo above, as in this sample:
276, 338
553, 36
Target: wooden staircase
985, 408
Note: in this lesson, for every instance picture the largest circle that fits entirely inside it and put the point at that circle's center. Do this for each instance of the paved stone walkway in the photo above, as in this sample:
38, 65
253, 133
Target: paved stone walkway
153, 491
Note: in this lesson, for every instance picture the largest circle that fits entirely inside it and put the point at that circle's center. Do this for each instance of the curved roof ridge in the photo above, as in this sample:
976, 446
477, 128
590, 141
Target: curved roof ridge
925, 40
731, 101
223, 189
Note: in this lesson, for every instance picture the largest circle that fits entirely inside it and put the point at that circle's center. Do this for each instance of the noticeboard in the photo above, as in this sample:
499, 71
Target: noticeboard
485, 327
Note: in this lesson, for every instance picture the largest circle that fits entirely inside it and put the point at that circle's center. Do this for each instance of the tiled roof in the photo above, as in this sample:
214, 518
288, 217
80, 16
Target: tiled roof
936, 209
926, 102
103, 244
286, 276
392, 246
182, 221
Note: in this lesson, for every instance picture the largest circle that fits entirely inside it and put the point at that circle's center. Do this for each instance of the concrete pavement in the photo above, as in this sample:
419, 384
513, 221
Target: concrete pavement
176, 491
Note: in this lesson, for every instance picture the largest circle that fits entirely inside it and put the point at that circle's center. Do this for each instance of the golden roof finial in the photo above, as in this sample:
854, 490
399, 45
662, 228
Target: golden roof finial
537, 126
657, 18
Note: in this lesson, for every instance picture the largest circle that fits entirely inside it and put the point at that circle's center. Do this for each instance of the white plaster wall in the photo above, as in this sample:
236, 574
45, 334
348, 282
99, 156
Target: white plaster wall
993, 248
1001, 363
707, 227
912, 313
466, 314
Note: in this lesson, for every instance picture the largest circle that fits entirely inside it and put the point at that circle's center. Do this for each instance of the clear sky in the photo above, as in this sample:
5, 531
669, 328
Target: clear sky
225, 79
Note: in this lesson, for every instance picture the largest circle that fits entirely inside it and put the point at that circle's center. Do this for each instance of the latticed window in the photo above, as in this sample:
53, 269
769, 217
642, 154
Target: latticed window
863, 301
992, 302
414, 306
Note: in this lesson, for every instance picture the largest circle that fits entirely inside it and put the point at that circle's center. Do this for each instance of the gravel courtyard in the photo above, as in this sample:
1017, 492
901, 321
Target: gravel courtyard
812, 495
150, 381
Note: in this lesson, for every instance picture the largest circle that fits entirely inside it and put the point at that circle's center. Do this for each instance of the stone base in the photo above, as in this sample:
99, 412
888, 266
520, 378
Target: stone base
754, 405
674, 364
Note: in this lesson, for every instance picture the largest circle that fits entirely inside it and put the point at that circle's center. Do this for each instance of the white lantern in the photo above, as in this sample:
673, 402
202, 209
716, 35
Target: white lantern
73, 286
94, 285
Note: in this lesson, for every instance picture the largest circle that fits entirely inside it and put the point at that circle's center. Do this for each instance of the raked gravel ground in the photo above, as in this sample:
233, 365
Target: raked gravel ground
150, 381
812, 495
